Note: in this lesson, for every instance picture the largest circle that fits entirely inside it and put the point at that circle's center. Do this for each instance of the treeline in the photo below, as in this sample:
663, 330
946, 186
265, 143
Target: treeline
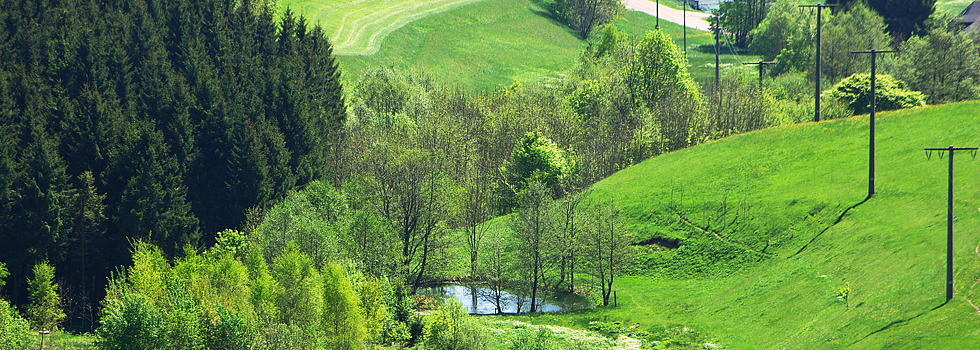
934, 50
155, 121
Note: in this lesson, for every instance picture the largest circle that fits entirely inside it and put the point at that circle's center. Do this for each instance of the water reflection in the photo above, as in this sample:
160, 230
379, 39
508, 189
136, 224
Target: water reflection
479, 301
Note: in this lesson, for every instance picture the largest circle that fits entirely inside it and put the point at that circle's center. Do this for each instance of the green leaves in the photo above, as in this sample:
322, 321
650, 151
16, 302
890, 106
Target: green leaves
537, 158
941, 64
890, 93
45, 310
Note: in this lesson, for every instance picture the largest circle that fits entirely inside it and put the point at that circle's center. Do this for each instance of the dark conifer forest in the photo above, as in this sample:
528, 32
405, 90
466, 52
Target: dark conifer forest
156, 121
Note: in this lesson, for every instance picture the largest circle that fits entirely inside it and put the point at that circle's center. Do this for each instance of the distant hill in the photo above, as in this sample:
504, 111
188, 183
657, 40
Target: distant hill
477, 44
749, 239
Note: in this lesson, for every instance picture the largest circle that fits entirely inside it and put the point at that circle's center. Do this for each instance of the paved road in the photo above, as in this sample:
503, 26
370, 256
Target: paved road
695, 19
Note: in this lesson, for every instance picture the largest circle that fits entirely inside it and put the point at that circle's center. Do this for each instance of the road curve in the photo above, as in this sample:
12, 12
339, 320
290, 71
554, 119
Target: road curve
695, 19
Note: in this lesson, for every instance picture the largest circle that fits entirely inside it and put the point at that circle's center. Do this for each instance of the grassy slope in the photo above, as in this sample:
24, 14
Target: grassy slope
952, 6
481, 45
700, 45
891, 249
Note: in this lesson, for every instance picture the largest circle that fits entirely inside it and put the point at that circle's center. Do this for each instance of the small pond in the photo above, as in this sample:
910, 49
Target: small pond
482, 304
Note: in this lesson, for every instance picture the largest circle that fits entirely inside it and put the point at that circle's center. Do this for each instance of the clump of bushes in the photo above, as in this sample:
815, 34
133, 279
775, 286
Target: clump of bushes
890, 93
13, 328
451, 328
217, 301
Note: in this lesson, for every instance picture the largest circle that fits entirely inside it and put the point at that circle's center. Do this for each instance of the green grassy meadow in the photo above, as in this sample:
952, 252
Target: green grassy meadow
952, 6
790, 185
478, 45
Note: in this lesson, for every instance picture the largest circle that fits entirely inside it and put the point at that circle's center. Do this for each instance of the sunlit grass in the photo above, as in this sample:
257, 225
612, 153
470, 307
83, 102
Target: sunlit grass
795, 181
479, 45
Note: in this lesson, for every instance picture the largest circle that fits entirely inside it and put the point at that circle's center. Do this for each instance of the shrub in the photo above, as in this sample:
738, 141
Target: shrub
14, 330
453, 329
227, 332
44, 311
542, 340
131, 322
890, 93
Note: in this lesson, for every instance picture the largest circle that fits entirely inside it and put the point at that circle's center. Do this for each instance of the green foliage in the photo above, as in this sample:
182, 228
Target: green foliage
313, 220
375, 310
856, 28
3, 274
541, 340
844, 293
778, 30
663, 83
536, 158
14, 330
131, 322
741, 107
942, 64
384, 91
300, 295
584, 16
182, 113
890, 93
452, 329
45, 310
228, 332
904, 18
608, 43
217, 300
343, 316
739, 17
662, 70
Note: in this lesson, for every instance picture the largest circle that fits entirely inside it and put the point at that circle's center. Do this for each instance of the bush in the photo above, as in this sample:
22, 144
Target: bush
890, 93
131, 322
227, 332
453, 329
14, 330
542, 340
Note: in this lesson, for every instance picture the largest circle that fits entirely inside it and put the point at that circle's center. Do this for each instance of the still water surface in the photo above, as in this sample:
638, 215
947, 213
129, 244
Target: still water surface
482, 304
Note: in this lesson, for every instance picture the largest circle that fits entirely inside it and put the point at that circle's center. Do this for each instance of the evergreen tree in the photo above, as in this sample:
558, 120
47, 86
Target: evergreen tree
904, 18
185, 113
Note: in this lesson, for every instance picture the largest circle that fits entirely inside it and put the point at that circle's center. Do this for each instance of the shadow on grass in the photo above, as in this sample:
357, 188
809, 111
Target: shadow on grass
898, 322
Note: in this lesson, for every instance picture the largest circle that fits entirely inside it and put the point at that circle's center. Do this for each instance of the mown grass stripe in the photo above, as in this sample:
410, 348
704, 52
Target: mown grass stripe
363, 39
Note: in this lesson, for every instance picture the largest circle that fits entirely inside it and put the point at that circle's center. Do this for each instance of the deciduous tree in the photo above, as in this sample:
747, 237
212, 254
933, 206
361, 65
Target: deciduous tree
941, 64
583, 16
606, 246
45, 310
532, 228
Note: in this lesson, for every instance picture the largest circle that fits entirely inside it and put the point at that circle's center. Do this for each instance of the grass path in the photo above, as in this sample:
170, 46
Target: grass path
361, 26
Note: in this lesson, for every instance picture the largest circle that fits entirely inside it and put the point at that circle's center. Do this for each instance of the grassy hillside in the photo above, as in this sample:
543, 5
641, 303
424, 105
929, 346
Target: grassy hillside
477, 44
358, 27
952, 6
764, 273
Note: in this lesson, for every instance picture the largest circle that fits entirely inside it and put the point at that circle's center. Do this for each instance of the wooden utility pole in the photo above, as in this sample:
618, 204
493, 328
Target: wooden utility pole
871, 143
949, 214
717, 28
761, 64
816, 102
